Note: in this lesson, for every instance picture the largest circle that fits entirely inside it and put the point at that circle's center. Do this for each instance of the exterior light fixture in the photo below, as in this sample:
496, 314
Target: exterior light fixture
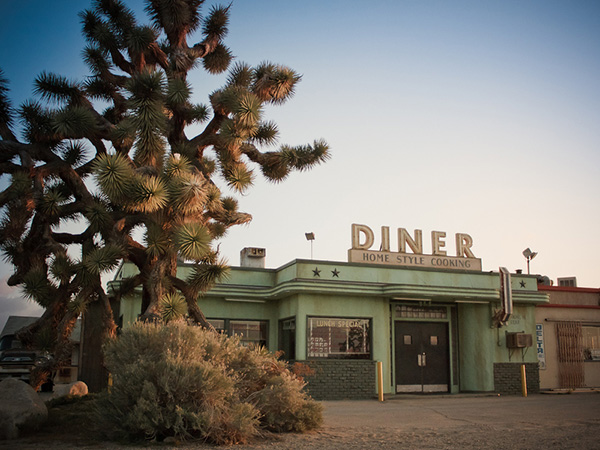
310, 237
529, 255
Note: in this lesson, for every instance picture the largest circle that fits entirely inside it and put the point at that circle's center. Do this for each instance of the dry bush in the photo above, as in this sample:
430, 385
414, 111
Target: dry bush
183, 381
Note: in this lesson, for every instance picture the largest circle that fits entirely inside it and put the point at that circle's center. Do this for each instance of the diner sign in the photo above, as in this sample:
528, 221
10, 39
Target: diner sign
363, 239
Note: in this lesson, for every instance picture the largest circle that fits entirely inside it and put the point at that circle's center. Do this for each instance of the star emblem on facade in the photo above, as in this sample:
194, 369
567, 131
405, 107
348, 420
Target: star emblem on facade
522, 284
336, 273
316, 272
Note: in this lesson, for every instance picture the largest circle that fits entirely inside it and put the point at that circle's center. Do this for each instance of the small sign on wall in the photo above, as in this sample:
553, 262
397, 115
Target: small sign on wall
539, 344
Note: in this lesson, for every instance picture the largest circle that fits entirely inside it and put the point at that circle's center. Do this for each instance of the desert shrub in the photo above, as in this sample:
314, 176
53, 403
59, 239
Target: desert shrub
284, 407
186, 382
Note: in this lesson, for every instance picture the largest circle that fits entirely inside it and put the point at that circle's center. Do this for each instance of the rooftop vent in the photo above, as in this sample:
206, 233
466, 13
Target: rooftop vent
567, 281
253, 257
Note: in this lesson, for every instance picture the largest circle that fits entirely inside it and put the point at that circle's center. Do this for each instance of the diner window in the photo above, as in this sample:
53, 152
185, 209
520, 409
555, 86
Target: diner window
339, 338
591, 343
253, 332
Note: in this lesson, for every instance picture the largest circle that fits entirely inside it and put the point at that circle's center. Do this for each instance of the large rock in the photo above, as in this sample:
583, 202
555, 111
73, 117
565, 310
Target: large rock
21, 408
78, 388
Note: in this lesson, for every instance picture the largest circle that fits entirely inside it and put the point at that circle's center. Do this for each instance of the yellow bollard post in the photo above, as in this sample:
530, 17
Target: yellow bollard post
380, 380
523, 381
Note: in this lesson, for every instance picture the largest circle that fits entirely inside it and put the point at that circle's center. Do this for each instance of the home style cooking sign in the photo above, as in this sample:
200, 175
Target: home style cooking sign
363, 239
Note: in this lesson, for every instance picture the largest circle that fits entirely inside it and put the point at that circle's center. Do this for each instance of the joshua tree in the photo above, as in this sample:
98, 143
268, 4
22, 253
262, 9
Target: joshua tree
136, 165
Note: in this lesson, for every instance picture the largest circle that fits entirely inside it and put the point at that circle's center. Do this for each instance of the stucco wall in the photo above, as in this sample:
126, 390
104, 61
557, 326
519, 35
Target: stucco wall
574, 297
547, 316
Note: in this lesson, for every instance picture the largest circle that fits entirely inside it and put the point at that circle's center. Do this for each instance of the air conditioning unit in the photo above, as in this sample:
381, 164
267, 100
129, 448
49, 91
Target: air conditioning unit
518, 340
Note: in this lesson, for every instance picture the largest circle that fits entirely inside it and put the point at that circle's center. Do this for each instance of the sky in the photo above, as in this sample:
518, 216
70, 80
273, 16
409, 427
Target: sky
478, 117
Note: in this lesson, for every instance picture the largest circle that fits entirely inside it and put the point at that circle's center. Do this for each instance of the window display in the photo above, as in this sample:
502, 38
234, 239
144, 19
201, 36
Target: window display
331, 337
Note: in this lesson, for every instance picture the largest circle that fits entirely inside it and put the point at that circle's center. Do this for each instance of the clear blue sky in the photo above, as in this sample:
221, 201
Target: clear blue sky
479, 117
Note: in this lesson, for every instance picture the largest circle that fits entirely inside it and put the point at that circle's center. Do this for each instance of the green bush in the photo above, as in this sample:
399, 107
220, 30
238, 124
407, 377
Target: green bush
183, 381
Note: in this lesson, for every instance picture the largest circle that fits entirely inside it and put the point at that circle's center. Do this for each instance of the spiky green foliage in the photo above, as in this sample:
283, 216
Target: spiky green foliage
78, 304
37, 287
266, 134
38, 123
50, 204
137, 166
157, 240
98, 216
115, 175
218, 60
6, 110
205, 275
236, 391
178, 92
73, 153
75, 122
193, 240
56, 88
275, 83
149, 194
188, 193
239, 178
103, 259
172, 307
62, 267
304, 157
177, 166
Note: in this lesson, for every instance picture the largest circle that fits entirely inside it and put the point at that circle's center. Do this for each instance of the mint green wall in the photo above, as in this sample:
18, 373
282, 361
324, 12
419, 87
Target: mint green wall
131, 307
481, 345
476, 348
522, 321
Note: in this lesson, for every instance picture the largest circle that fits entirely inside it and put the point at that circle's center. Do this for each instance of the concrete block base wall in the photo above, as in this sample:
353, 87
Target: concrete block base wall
507, 378
341, 379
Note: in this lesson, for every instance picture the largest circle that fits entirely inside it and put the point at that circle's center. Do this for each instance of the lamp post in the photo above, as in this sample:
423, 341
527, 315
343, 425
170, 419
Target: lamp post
310, 237
529, 255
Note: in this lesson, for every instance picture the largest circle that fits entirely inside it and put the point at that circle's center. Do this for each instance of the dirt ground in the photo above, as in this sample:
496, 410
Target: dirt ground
412, 422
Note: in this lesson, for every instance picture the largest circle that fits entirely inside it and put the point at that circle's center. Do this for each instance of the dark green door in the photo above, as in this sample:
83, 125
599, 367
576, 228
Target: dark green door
422, 357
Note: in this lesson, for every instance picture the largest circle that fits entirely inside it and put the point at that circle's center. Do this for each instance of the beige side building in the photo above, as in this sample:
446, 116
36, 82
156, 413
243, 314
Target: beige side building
568, 338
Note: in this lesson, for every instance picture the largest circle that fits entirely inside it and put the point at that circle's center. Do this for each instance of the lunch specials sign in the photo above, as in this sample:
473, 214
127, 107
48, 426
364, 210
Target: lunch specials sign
363, 239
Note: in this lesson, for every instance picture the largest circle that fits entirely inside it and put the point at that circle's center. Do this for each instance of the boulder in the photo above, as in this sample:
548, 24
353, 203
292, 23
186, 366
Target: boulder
77, 388
21, 408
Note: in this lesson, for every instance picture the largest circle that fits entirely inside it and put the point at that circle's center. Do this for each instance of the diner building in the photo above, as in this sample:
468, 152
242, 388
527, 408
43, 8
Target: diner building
437, 323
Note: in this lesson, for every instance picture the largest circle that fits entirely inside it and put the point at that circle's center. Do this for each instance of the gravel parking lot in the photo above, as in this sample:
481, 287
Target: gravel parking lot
430, 422
535, 422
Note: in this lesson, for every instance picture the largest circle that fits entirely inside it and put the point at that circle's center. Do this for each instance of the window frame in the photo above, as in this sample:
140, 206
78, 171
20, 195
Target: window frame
587, 350
228, 330
368, 356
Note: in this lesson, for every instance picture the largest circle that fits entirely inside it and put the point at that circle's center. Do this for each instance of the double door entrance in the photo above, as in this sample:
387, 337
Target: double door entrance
422, 357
